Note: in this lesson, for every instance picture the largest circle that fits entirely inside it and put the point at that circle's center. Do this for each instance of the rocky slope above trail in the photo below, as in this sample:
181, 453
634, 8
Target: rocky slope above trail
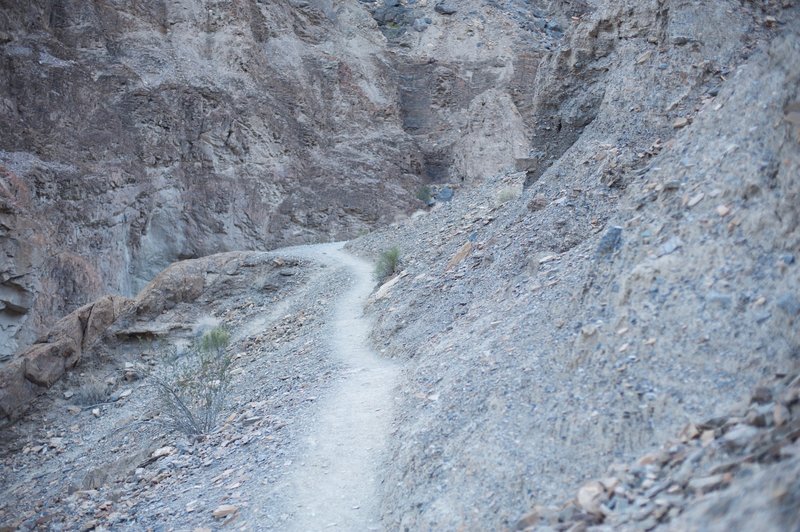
644, 279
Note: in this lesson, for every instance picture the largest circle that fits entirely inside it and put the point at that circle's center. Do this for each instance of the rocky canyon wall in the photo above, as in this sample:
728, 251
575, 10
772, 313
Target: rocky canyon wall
140, 133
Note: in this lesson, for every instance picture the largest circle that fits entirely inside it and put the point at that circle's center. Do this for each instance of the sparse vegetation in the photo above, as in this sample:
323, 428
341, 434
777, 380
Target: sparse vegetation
424, 194
91, 392
506, 194
193, 388
387, 264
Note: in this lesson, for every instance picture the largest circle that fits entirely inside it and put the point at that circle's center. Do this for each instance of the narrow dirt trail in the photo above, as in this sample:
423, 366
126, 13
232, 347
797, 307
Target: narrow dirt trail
334, 487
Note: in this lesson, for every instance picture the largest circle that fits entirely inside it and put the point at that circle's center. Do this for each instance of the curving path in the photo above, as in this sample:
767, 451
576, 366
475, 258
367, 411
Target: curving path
335, 486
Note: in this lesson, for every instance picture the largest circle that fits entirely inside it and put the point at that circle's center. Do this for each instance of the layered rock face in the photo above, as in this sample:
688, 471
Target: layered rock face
137, 134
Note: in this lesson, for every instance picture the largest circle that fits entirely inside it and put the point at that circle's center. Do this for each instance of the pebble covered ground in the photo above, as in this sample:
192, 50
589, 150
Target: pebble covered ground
71, 466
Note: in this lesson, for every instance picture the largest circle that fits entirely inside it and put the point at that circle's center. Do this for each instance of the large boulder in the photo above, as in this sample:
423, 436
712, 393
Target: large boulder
42, 364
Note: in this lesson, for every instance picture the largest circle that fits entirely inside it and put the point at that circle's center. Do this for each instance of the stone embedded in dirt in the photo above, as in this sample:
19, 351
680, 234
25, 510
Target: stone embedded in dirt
224, 510
689, 432
680, 123
723, 210
706, 484
538, 202
446, 8
163, 451
610, 242
739, 436
644, 57
591, 496
761, 395
780, 415
386, 287
707, 437
460, 255
694, 200
670, 246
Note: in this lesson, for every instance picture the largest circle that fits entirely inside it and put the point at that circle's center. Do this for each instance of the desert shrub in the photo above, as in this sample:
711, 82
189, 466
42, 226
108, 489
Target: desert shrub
424, 194
388, 263
193, 385
91, 392
506, 194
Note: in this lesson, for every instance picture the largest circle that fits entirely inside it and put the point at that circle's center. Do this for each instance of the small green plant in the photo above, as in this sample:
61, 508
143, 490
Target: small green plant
387, 264
193, 387
424, 194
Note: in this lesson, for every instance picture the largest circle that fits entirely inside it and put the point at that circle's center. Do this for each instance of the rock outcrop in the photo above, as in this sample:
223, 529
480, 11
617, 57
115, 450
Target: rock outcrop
62, 348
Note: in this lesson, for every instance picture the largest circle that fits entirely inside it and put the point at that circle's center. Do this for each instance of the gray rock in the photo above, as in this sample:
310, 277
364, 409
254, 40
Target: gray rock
670, 246
610, 242
446, 194
790, 304
445, 8
739, 436
420, 24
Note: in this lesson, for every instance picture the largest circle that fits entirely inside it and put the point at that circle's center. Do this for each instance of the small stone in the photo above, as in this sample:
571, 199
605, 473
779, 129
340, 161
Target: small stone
96, 412
723, 210
761, 395
706, 484
770, 21
644, 57
445, 8
689, 432
69, 394
680, 123
655, 457
74, 410
707, 437
610, 242
589, 329
538, 202
694, 200
591, 496
528, 520
739, 436
610, 483
224, 510
780, 415
163, 451
670, 246
446, 194
790, 304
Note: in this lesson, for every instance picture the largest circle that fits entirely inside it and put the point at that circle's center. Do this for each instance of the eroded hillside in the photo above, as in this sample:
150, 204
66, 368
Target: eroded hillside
611, 254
